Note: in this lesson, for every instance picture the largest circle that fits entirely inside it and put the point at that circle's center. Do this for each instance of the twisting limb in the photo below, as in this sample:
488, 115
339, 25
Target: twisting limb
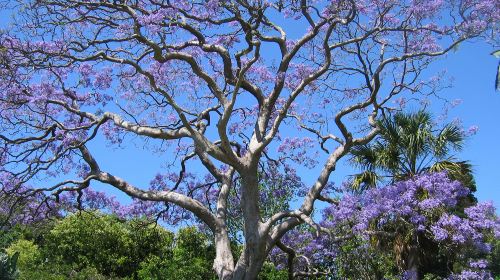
181, 200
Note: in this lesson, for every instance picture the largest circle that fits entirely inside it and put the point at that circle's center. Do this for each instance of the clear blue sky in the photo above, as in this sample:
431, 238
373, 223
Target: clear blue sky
474, 70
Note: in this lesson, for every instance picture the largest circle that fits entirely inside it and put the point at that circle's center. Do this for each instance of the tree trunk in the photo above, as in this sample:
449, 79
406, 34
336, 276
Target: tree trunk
412, 260
224, 262
248, 267
249, 264
254, 253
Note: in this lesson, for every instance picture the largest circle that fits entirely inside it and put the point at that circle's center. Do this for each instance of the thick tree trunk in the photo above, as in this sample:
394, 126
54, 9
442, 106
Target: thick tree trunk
254, 253
224, 262
249, 264
248, 267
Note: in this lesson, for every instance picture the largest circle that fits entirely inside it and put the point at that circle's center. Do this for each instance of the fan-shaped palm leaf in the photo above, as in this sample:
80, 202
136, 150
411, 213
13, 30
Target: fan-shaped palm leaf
450, 136
364, 180
408, 144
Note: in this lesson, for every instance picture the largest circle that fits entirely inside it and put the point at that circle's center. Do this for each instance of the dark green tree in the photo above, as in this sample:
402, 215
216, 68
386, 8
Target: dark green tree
94, 245
190, 259
113, 247
8, 266
89, 245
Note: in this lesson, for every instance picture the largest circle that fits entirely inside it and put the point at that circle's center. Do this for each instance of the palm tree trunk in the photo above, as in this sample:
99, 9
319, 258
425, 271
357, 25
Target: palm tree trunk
412, 259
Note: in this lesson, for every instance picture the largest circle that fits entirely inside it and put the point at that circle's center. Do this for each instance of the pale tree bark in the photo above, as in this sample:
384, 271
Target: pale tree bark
223, 262
252, 258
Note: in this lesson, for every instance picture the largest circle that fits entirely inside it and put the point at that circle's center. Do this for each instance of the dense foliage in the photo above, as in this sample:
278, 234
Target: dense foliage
97, 246
394, 224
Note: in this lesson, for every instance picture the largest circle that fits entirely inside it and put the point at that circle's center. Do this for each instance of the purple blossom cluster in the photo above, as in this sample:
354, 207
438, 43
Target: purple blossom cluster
99, 79
479, 218
298, 150
468, 274
310, 248
472, 130
19, 205
425, 203
156, 17
425, 9
279, 185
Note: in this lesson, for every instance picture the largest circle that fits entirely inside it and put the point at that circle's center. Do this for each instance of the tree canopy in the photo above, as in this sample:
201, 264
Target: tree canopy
94, 245
234, 94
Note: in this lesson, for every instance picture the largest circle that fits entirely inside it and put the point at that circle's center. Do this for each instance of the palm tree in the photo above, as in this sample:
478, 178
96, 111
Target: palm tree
497, 80
409, 144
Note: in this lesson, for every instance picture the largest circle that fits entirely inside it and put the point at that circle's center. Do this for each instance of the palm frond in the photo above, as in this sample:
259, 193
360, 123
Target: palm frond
497, 79
363, 156
407, 145
363, 181
450, 136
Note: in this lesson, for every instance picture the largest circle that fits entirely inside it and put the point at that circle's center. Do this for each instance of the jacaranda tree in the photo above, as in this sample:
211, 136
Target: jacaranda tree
387, 219
227, 91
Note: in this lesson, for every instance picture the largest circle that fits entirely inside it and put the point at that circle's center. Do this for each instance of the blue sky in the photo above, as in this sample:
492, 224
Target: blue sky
474, 71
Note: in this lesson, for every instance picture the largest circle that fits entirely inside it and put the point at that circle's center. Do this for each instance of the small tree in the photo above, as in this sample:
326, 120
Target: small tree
103, 242
411, 144
379, 223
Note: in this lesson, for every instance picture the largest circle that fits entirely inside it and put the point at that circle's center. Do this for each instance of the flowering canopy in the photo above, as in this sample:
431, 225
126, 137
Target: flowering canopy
423, 204
225, 89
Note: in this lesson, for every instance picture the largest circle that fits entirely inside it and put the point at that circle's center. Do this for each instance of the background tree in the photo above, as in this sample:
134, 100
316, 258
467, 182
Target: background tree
388, 216
100, 246
112, 247
410, 144
195, 82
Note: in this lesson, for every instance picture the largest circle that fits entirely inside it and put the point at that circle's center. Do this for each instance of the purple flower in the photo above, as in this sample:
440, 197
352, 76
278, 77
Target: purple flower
103, 78
478, 264
473, 130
